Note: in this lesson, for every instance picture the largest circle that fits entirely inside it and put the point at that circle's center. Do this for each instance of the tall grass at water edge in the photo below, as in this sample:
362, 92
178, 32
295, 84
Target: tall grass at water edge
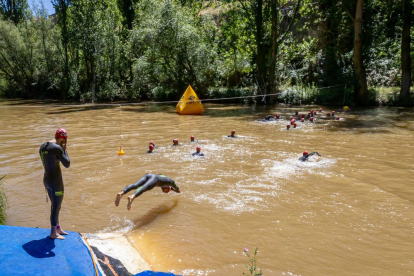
3, 202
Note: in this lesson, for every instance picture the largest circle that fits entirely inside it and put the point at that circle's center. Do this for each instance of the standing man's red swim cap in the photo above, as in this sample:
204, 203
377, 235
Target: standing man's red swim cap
304, 153
61, 133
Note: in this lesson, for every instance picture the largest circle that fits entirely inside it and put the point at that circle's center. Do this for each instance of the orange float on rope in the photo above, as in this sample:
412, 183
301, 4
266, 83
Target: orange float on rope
189, 103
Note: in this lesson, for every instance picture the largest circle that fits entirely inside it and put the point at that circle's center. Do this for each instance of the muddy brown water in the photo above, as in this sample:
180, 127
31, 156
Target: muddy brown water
349, 212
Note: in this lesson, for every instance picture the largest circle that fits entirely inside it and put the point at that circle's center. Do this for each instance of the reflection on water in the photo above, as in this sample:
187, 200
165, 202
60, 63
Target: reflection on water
349, 212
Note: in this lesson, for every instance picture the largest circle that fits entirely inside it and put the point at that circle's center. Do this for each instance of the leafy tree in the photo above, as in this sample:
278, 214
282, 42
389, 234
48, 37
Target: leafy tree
172, 49
405, 54
95, 27
14, 10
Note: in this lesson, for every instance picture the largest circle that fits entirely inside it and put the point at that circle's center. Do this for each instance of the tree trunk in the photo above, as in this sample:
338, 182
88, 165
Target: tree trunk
275, 20
360, 87
405, 55
260, 58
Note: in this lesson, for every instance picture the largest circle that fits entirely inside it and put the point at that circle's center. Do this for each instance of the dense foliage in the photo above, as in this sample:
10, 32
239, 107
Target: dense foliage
304, 51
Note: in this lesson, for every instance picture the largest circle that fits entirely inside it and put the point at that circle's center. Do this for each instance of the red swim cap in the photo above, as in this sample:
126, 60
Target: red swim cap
192, 136
175, 140
169, 189
198, 148
61, 133
233, 131
304, 153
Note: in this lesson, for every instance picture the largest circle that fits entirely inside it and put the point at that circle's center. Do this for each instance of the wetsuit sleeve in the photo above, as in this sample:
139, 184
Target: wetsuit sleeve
174, 186
63, 157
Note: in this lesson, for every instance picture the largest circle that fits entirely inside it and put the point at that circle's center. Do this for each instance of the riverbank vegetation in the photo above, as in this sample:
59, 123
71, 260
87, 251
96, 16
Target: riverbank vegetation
3, 203
302, 51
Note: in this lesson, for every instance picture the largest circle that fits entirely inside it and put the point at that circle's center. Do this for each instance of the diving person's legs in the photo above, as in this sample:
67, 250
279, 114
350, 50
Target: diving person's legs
128, 188
151, 180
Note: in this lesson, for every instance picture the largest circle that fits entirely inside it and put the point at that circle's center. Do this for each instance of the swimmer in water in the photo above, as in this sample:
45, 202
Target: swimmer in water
233, 132
175, 142
146, 183
198, 153
53, 153
150, 148
268, 118
192, 138
306, 155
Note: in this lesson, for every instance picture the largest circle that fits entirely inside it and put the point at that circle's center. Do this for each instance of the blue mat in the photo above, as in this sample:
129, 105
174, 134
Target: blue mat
30, 251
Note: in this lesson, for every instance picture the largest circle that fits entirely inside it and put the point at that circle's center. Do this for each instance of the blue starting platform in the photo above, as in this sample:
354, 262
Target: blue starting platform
30, 251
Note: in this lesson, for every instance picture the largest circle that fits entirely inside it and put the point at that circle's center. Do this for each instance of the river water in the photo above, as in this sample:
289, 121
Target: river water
349, 212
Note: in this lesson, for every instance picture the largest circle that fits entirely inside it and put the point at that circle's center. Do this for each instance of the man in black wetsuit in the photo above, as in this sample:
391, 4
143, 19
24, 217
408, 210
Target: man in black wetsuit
146, 183
306, 155
51, 153
198, 153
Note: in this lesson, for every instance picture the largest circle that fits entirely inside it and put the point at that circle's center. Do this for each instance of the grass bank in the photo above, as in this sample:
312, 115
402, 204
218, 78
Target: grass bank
3, 202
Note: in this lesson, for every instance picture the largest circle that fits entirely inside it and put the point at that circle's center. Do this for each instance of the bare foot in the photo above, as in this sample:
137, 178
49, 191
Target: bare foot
57, 236
62, 232
118, 198
129, 202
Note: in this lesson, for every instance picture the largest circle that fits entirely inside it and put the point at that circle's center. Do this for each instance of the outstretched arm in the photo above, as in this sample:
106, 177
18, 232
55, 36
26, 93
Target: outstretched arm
175, 188
315, 152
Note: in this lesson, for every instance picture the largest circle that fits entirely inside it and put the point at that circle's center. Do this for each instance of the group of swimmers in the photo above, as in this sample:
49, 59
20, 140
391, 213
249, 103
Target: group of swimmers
301, 117
54, 152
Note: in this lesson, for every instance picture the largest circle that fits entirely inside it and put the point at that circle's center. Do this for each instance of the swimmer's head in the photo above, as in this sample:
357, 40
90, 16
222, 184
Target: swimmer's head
294, 125
287, 126
192, 138
151, 147
61, 133
198, 148
233, 132
152, 143
175, 142
166, 189
305, 152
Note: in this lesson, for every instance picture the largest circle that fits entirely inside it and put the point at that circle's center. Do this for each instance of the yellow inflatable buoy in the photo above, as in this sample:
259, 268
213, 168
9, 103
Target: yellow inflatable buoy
120, 152
345, 108
189, 103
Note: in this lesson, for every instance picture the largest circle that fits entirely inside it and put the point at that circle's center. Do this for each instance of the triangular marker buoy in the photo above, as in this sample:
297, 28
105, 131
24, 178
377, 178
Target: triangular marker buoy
189, 103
